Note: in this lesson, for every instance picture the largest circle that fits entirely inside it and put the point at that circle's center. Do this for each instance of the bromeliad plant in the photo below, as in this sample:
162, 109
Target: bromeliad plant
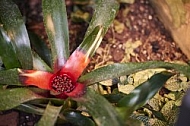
52, 83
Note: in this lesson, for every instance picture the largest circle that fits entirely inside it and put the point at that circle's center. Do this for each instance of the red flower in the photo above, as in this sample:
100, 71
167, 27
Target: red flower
62, 83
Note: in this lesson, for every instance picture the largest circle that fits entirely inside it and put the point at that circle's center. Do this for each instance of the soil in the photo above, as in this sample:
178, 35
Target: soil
136, 35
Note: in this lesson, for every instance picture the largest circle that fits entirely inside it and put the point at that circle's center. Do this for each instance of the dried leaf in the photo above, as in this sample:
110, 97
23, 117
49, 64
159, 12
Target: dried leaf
169, 110
155, 104
142, 76
129, 49
179, 98
126, 88
80, 16
171, 95
119, 27
177, 83
127, 1
156, 122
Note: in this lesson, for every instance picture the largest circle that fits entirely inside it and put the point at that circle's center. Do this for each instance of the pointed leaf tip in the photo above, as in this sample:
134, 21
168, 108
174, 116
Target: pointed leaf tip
40, 79
56, 25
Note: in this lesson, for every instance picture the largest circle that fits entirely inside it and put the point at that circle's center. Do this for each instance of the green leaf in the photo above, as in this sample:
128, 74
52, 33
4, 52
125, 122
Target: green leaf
55, 20
100, 109
104, 14
30, 109
10, 77
114, 98
141, 94
40, 47
121, 69
7, 52
14, 25
50, 115
39, 64
11, 98
45, 101
77, 119
158, 115
92, 42
1, 64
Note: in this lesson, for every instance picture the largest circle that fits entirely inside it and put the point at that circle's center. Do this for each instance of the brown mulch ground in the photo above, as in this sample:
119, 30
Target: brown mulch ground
141, 23
140, 29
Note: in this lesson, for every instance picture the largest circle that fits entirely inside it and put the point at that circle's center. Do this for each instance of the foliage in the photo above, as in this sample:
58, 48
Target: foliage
92, 107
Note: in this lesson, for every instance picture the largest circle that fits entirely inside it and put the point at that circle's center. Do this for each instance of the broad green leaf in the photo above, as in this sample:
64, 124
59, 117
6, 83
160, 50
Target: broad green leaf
39, 64
104, 14
45, 101
92, 42
77, 119
10, 77
7, 52
50, 115
158, 115
142, 93
40, 47
121, 69
14, 26
11, 98
30, 109
114, 98
55, 20
2, 87
100, 109
1, 64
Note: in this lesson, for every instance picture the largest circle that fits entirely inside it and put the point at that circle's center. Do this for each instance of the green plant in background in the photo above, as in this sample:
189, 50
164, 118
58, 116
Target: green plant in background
52, 84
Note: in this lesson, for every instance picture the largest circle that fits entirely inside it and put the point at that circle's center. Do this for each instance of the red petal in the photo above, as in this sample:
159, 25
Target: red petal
79, 90
76, 64
40, 79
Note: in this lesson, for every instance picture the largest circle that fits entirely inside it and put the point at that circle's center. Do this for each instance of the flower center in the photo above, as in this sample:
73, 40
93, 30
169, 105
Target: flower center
62, 83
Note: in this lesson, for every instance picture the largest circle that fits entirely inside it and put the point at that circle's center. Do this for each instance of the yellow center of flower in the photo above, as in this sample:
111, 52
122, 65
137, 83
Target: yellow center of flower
62, 83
